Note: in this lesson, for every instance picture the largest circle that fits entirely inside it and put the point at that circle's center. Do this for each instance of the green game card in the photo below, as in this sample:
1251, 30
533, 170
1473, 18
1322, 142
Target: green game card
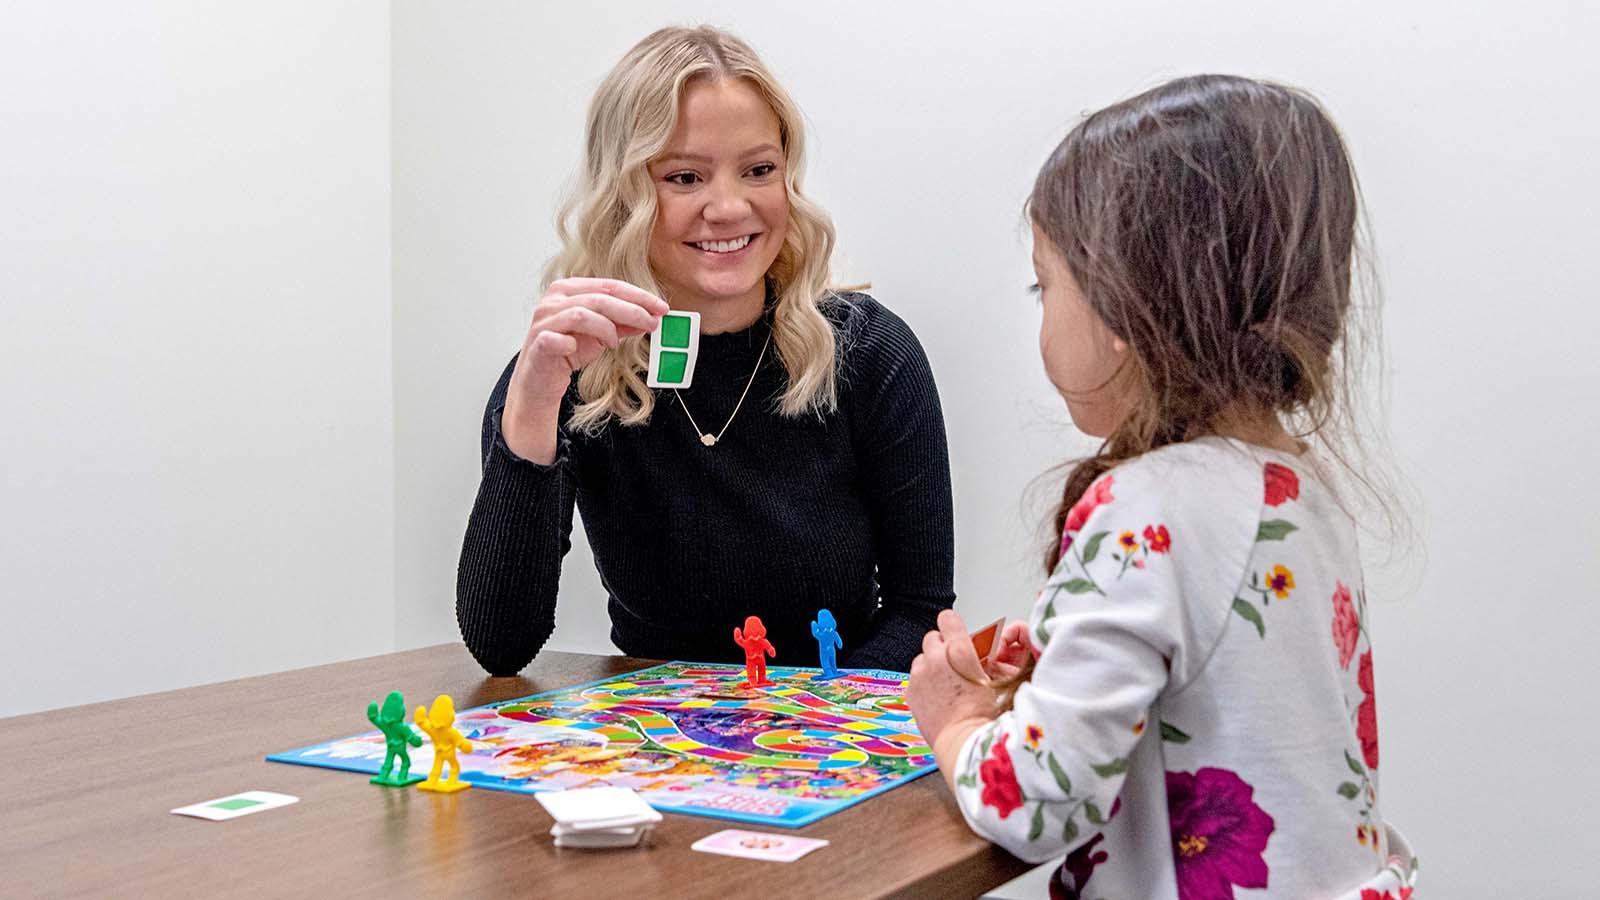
675, 329
236, 805
674, 346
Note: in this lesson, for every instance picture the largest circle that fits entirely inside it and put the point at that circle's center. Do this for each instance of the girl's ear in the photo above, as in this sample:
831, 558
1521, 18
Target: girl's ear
1119, 345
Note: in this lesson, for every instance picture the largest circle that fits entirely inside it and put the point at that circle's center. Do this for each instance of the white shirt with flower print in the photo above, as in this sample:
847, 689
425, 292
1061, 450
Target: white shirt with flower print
1201, 720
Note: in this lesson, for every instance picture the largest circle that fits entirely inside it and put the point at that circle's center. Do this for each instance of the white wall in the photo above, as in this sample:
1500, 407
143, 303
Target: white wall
196, 420
1472, 134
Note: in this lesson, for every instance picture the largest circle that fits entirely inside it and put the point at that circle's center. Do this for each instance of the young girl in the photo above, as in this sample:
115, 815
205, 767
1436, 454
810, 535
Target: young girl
1196, 716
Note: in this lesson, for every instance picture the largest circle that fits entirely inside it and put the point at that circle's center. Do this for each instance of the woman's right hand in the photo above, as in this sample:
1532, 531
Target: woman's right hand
575, 321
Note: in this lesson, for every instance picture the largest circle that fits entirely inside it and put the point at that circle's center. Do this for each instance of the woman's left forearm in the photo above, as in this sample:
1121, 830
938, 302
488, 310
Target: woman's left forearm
895, 639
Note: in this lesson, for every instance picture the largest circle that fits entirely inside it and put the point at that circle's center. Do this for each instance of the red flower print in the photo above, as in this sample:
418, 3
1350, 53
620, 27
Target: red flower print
1282, 484
1157, 538
1367, 730
1370, 894
1367, 714
1098, 493
1346, 625
1000, 788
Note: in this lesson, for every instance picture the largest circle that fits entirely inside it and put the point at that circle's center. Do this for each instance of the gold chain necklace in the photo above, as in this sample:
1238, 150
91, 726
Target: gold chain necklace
710, 440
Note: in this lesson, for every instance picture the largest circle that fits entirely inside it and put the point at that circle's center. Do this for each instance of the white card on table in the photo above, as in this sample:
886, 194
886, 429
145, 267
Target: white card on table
235, 805
757, 845
598, 838
598, 807
674, 347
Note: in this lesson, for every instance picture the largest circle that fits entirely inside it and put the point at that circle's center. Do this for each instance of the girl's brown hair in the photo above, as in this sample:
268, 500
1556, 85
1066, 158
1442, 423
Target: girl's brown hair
1212, 224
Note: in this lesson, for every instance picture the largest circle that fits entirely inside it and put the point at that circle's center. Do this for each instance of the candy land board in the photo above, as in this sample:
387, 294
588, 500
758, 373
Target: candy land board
688, 738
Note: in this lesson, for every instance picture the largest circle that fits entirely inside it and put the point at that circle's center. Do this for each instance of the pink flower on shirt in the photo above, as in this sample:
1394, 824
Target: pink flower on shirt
1346, 625
1098, 493
1367, 713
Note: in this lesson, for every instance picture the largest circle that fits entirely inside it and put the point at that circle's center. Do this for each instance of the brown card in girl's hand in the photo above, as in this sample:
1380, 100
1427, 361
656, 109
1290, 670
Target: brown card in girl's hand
983, 641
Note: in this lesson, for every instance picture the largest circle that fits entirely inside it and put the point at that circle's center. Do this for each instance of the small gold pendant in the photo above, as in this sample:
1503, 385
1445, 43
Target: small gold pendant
708, 439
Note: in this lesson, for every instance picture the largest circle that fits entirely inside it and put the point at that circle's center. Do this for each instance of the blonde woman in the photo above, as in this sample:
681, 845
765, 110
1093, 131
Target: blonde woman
806, 468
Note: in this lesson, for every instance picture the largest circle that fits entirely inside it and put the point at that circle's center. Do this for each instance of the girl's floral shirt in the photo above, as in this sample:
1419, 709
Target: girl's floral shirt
1202, 718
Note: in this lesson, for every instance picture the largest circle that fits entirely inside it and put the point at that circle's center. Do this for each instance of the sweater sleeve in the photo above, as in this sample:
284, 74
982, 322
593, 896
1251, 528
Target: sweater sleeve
1127, 614
519, 531
904, 469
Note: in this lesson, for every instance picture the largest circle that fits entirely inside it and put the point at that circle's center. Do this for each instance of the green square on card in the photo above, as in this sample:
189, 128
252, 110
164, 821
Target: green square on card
672, 366
234, 803
675, 331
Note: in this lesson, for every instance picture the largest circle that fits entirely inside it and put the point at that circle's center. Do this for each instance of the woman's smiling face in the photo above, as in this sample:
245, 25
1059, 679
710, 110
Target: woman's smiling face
722, 204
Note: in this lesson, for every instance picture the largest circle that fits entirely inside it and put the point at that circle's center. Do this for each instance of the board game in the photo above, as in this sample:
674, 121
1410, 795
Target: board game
690, 739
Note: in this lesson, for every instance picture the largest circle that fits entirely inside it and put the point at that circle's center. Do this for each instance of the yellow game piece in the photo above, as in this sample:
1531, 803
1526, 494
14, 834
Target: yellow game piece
439, 724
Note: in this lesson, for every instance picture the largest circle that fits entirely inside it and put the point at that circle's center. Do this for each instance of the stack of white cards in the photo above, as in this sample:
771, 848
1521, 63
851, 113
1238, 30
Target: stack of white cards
598, 817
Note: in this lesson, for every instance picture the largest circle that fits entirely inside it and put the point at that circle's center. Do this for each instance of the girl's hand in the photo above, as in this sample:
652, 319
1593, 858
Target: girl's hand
575, 321
948, 684
1014, 650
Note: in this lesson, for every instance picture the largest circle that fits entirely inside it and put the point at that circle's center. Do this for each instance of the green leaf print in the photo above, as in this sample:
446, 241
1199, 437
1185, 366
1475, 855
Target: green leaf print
1250, 614
983, 746
1355, 764
1349, 790
1069, 831
1049, 613
1080, 586
1172, 733
1062, 781
1092, 548
1037, 828
1115, 767
1275, 530
1093, 812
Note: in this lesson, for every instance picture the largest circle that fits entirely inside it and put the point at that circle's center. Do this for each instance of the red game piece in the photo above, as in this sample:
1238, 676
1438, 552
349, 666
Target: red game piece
754, 641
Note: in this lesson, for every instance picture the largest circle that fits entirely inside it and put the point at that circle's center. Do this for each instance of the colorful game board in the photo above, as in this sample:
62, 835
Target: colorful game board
689, 739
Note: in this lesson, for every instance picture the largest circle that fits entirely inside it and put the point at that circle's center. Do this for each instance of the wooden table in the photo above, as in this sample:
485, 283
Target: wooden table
85, 807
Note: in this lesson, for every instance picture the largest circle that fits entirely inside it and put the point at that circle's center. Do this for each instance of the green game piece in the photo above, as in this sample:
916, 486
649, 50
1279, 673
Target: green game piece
391, 720
672, 367
675, 331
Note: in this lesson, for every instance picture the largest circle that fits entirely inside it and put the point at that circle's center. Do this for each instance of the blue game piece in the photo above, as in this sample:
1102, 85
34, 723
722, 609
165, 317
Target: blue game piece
826, 631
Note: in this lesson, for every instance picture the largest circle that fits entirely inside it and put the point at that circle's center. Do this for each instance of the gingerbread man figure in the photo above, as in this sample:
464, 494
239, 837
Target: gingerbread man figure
754, 641
439, 724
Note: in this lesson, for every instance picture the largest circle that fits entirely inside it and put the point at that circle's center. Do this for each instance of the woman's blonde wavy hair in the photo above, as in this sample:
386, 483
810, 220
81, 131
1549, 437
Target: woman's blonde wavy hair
605, 224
